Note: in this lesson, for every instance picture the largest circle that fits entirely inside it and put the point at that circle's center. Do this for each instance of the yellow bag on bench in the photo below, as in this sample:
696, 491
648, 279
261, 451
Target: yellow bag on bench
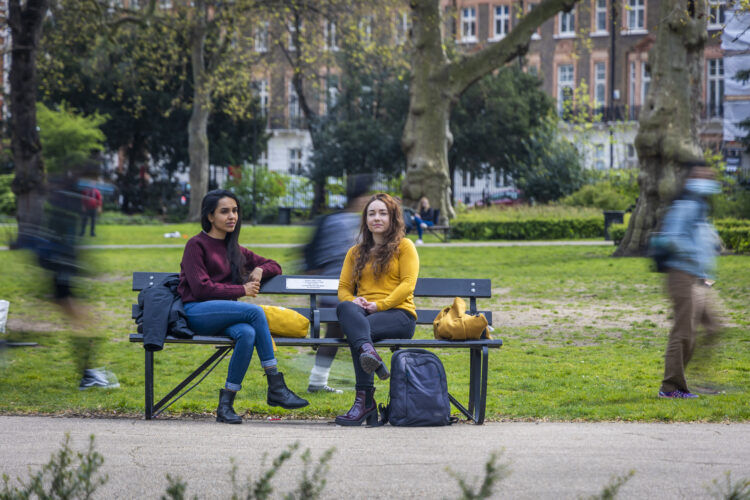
452, 323
286, 322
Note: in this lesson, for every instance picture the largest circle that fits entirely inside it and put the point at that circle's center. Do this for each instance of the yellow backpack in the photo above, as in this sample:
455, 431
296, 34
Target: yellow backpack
452, 323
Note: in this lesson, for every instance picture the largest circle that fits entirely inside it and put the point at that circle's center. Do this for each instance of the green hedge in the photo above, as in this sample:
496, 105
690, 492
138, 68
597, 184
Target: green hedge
530, 229
736, 239
734, 233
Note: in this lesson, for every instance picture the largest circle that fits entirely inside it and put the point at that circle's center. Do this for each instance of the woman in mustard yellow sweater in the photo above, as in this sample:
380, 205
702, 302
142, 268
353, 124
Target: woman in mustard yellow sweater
376, 290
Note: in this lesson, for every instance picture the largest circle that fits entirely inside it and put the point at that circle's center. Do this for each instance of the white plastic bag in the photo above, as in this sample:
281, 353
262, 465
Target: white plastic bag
4, 306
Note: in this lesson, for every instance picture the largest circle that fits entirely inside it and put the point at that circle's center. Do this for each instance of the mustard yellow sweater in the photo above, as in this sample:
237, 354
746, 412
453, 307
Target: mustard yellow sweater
394, 289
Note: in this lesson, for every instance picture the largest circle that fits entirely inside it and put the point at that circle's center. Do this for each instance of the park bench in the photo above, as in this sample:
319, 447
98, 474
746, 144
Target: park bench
442, 233
313, 287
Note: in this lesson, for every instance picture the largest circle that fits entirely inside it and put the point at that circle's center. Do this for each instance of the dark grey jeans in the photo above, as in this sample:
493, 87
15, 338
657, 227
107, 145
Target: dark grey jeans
361, 328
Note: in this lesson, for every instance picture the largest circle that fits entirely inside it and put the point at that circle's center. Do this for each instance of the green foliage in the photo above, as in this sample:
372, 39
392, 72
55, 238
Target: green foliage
68, 136
733, 202
610, 491
600, 195
7, 198
65, 476
554, 169
736, 239
526, 212
617, 232
532, 229
267, 188
509, 104
493, 473
729, 490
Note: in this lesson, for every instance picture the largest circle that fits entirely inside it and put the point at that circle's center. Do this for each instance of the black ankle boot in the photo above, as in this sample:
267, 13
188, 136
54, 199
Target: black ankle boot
225, 412
363, 409
280, 395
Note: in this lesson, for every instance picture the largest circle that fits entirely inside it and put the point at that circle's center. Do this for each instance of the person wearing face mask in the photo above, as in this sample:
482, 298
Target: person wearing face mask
376, 290
215, 272
693, 244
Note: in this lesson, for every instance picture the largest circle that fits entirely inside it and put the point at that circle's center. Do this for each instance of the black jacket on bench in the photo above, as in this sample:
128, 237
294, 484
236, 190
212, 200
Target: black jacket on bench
160, 312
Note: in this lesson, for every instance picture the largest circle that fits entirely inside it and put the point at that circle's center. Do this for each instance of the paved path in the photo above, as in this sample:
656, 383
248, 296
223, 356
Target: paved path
548, 460
428, 245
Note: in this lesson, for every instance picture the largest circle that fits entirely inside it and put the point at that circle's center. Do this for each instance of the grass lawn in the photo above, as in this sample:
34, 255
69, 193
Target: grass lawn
584, 336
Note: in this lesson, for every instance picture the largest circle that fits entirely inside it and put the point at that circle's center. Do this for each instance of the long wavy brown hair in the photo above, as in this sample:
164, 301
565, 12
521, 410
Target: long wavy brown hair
381, 255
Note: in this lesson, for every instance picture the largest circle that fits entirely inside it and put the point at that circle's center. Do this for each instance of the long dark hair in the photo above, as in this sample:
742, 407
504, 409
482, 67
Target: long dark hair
382, 255
234, 256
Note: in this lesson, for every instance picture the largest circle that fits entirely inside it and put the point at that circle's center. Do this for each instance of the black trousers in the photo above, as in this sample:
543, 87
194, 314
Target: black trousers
361, 328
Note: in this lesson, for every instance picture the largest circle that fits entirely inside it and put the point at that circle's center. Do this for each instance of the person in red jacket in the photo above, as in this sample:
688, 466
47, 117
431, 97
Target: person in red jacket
91, 204
215, 272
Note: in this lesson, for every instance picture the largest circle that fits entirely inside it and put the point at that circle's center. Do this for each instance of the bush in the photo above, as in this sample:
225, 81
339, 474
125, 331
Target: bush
7, 198
602, 195
736, 239
531, 229
617, 232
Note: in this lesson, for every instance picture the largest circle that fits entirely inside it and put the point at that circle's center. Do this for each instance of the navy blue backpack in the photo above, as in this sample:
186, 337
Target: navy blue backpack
419, 391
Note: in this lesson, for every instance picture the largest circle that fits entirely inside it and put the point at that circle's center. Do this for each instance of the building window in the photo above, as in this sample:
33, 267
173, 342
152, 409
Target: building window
533, 70
631, 99
716, 10
631, 152
329, 35
260, 88
536, 35
645, 82
636, 14
599, 157
295, 111
292, 42
600, 84
502, 21
567, 23
365, 28
165, 4
600, 16
715, 87
499, 178
295, 161
464, 178
332, 91
402, 28
261, 37
565, 85
469, 24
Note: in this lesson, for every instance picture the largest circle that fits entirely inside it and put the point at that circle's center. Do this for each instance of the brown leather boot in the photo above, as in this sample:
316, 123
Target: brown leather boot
371, 362
363, 409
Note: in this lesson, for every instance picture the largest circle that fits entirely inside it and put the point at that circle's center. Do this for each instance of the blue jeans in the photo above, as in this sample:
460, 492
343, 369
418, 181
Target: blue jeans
244, 322
418, 222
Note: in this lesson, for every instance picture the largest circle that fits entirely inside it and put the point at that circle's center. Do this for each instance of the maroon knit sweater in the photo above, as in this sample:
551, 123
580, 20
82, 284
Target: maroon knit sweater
205, 273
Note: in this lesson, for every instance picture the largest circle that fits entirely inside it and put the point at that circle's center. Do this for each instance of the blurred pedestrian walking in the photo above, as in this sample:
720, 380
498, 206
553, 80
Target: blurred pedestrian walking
336, 233
692, 244
54, 243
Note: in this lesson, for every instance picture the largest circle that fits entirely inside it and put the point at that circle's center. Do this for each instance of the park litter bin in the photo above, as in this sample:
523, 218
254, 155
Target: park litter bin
285, 216
612, 217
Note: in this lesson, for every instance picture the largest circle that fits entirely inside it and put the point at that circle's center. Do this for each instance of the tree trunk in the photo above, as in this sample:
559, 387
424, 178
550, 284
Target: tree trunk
29, 183
436, 84
427, 136
198, 125
668, 136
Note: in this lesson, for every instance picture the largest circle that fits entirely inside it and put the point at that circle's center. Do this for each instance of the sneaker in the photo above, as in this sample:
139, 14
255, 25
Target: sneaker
424, 226
323, 388
419, 242
98, 377
677, 394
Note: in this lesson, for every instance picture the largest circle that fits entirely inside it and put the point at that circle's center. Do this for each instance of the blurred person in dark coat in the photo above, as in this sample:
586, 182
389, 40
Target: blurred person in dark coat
336, 233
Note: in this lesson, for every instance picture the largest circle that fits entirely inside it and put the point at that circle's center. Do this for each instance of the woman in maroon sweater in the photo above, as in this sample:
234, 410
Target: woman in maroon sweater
215, 272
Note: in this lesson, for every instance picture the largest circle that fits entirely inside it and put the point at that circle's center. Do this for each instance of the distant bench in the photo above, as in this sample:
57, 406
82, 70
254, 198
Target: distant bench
315, 286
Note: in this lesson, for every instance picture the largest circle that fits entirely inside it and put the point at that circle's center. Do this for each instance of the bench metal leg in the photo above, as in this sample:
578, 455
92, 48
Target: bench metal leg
478, 367
220, 353
149, 384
